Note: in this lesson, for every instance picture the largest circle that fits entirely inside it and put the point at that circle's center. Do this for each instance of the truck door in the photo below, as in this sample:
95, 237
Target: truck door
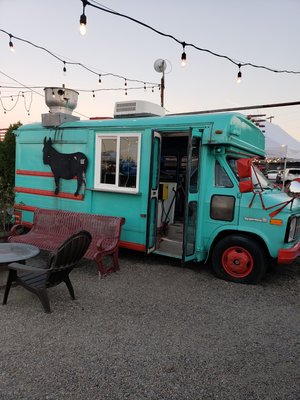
153, 192
192, 195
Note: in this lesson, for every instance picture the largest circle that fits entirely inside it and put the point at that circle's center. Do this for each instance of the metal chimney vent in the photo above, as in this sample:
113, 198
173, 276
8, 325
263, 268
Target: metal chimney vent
61, 102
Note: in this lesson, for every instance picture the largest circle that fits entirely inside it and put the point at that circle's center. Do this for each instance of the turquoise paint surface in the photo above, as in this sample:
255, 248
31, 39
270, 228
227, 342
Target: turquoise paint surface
237, 133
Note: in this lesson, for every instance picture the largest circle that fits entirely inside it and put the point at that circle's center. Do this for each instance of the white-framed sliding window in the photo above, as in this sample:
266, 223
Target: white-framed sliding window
117, 162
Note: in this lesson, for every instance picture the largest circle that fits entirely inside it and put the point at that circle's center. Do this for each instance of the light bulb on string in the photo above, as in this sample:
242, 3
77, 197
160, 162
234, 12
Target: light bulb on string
125, 83
10, 44
145, 88
82, 21
125, 92
239, 75
99, 80
64, 68
183, 55
94, 94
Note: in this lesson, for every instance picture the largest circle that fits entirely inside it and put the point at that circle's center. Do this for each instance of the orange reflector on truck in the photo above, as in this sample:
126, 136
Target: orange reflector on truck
218, 131
276, 221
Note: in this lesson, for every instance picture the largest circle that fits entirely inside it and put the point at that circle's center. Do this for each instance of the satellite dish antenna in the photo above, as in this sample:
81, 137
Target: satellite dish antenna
160, 65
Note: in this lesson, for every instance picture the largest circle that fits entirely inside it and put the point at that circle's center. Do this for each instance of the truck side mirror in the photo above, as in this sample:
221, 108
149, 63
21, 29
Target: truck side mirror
245, 175
246, 186
294, 188
244, 168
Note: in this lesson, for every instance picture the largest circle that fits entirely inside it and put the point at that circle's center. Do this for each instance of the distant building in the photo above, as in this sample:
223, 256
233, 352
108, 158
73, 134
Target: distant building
2, 134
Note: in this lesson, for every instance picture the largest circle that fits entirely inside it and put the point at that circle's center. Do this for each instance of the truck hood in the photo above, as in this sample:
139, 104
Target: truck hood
275, 197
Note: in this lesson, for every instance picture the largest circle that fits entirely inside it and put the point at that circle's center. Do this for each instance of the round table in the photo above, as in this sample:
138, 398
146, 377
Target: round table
11, 252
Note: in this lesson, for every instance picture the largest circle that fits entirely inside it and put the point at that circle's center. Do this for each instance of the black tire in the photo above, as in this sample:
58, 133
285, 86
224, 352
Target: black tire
240, 259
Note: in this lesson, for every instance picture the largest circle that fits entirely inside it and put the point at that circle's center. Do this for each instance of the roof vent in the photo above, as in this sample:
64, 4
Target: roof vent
61, 103
139, 108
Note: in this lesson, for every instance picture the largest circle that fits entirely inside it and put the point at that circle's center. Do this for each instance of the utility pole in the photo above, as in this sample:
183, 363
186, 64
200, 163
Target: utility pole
162, 84
160, 65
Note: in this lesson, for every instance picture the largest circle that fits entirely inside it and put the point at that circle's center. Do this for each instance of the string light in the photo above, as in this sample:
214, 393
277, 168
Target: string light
125, 83
183, 55
64, 68
82, 21
108, 10
82, 90
10, 44
72, 62
32, 91
5, 109
239, 75
99, 81
27, 108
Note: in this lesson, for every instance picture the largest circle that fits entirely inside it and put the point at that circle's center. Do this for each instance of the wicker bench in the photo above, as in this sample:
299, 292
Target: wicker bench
51, 228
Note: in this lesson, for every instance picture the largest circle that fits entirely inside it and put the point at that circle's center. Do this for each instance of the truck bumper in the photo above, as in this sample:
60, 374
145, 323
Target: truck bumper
287, 256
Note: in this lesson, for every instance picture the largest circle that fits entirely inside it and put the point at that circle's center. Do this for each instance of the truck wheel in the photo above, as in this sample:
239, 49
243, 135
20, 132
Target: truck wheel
239, 259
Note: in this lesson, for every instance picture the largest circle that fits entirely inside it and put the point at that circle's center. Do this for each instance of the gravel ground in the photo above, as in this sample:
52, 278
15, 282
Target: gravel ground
154, 330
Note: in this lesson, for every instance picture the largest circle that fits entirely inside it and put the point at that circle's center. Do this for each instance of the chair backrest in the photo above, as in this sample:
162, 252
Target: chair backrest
67, 257
71, 251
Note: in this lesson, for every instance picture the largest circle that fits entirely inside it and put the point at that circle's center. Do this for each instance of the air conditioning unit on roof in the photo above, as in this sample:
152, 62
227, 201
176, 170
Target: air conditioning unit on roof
138, 108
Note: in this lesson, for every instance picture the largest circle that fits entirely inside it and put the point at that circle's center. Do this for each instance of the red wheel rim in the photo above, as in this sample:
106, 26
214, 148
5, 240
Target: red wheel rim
237, 262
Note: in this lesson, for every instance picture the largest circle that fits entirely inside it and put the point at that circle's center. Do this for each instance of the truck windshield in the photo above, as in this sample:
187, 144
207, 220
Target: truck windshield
263, 181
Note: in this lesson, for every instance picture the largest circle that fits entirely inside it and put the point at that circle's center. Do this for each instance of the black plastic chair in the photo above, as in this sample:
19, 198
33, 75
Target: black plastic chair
60, 264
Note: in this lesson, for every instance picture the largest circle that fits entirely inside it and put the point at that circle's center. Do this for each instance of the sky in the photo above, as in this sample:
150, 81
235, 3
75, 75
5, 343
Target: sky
263, 33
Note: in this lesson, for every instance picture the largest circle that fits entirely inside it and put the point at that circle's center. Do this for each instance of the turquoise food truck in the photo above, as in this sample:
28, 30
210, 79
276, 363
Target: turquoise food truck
185, 184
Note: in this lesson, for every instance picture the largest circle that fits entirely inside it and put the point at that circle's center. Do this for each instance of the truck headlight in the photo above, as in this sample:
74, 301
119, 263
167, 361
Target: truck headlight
292, 229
